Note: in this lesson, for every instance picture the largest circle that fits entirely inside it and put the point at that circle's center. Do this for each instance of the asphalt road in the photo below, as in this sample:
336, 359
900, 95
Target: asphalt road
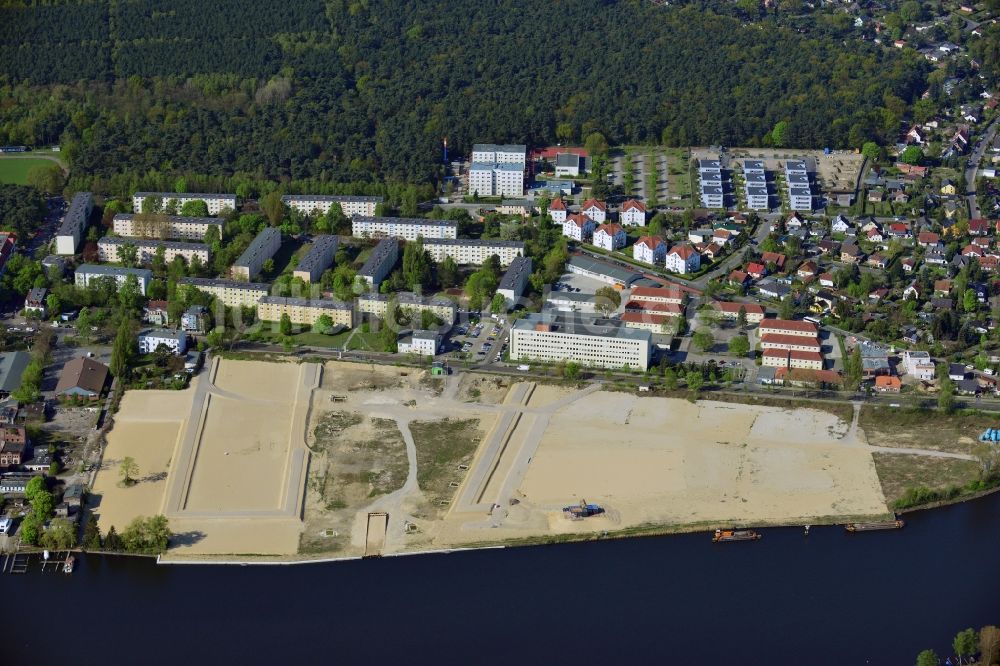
974, 159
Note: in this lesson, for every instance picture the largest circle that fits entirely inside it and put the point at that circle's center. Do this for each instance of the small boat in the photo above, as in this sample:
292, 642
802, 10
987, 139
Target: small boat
735, 535
877, 525
68, 564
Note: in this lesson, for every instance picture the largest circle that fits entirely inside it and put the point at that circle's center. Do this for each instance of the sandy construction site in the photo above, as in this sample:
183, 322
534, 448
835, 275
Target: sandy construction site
225, 460
346, 459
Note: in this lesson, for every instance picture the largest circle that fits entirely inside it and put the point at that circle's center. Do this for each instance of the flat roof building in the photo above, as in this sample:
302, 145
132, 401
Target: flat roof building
380, 262
413, 304
407, 228
515, 280
599, 270
216, 203
424, 343
305, 311
318, 258
500, 154
231, 293
12, 366
262, 248
472, 251
73, 223
501, 179
310, 204
164, 226
86, 273
109, 250
556, 336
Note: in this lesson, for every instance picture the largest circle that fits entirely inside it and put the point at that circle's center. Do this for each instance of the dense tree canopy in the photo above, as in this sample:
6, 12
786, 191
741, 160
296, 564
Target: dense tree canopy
364, 90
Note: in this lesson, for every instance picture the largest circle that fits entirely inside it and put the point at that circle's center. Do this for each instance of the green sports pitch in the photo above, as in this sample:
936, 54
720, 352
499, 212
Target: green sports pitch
15, 169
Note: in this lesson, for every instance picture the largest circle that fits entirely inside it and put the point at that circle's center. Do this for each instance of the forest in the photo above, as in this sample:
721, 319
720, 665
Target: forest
364, 91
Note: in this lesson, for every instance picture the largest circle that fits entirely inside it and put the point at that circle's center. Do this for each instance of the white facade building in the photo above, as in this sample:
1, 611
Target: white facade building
406, 228
595, 210
423, 343
231, 293
164, 226
109, 248
682, 258
579, 227
73, 223
610, 237
86, 273
312, 204
496, 180
556, 336
557, 211
216, 203
650, 250
515, 280
500, 154
919, 365
468, 251
150, 341
633, 214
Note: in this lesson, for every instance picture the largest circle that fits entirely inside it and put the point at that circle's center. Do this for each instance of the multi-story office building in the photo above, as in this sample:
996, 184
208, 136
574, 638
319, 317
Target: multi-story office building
410, 303
311, 204
407, 228
231, 293
473, 251
108, 249
305, 311
380, 262
318, 258
500, 154
262, 248
515, 280
496, 179
164, 226
424, 343
73, 223
216, 203
87, 273
557, 336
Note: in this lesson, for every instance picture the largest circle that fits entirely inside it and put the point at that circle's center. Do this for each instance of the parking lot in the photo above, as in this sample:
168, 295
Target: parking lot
479, 341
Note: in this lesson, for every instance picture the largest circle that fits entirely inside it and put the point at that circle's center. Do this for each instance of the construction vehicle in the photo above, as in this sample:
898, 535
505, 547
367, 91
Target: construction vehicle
582, 510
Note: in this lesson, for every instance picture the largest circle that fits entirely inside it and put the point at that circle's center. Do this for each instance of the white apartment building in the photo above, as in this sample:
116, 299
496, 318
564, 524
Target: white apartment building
515, 280
753, 167
468, 251
410, 303
633, 214
595, 210
406, 228
556, 336
424, 343
109, 247
783, 358
798, 184
650, 250
380, 262
86, 273
610, 237
578, 226
682, 258
496, 180
216, 203
305, 311
231, 293
150, 340
73, 223
557, 211
164, 226
788, 327
319, 257
500, 154
312, 204
789, 342
262, 248
919, 365
712, 196
710, 183
757, 198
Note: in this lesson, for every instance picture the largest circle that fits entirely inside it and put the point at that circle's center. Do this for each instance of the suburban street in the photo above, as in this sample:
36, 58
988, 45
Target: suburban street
974, 159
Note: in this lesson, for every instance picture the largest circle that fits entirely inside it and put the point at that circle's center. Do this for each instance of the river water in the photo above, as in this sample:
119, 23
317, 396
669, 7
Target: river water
829, 598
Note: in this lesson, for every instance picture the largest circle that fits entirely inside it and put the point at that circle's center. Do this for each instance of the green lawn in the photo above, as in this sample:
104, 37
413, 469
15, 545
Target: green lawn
15, 169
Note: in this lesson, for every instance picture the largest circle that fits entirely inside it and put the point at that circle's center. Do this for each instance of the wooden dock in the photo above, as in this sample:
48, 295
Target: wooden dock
15, 563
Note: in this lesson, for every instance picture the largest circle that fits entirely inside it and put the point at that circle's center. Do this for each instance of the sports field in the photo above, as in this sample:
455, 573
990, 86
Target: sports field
14, 170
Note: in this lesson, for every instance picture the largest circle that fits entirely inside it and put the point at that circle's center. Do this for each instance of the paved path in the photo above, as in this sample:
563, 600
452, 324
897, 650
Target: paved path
971, 171
921, 452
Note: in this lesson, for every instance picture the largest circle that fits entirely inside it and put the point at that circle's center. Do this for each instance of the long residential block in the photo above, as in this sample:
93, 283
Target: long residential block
230, 293
788, 327
473, 251
87, 273
263, 247
305, 311
413, 304
164, 226
380, 262
515, 280
216, 203
557, 336
407, 228
310, 204
318, 258
109, 250
73, 223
